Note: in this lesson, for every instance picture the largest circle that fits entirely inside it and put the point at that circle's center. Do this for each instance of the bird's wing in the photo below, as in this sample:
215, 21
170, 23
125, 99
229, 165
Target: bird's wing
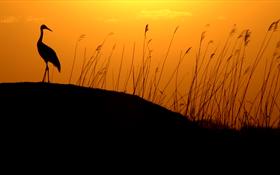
50, 54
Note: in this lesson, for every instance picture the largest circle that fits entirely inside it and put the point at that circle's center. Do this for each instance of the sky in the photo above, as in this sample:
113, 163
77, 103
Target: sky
20, 22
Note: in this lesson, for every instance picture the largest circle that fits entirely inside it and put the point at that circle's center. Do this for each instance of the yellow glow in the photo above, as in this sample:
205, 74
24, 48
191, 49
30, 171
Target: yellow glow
20, 22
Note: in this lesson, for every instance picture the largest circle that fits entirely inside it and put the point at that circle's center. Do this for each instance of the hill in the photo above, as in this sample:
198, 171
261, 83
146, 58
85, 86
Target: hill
67, 111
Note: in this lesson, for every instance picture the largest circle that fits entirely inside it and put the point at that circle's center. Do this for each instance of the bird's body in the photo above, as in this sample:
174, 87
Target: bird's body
47, 53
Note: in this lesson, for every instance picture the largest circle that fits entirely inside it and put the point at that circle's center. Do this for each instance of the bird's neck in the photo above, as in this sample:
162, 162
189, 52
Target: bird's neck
41, 36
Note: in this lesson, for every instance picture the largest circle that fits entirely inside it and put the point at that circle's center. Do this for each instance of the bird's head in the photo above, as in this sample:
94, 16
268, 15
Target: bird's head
45, 27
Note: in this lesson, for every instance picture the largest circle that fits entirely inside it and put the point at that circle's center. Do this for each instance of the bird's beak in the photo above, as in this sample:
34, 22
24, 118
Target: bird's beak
48, 29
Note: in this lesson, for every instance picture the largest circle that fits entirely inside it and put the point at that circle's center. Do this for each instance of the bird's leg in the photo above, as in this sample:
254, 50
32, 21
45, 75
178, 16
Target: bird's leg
48, 70
45, 73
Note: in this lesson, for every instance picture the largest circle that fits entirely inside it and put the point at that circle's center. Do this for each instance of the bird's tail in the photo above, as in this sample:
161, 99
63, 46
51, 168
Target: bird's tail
59, 67
57, 64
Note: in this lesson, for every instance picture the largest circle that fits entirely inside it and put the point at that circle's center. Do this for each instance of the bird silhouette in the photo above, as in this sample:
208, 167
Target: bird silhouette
47, 53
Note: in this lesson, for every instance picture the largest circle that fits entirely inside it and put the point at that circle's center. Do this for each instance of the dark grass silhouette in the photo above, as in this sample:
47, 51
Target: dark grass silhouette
57, 111
218, 87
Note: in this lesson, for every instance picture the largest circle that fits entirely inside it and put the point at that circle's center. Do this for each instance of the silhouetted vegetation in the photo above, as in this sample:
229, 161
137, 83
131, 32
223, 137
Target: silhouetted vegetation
221, 80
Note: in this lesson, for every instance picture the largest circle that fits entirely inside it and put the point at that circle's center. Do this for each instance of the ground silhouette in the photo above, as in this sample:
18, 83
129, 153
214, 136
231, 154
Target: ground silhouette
59, 111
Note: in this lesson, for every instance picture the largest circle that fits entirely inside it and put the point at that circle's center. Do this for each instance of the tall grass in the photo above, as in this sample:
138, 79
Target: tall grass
221, 84
75, 55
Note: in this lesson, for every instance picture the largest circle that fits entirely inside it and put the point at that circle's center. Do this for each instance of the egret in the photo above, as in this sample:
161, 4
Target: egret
47, 53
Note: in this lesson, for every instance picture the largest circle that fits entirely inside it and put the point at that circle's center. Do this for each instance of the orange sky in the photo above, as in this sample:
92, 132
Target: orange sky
20, 22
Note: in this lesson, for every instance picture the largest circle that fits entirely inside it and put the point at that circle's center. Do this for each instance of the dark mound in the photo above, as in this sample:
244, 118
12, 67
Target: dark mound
56, 103
57, 111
